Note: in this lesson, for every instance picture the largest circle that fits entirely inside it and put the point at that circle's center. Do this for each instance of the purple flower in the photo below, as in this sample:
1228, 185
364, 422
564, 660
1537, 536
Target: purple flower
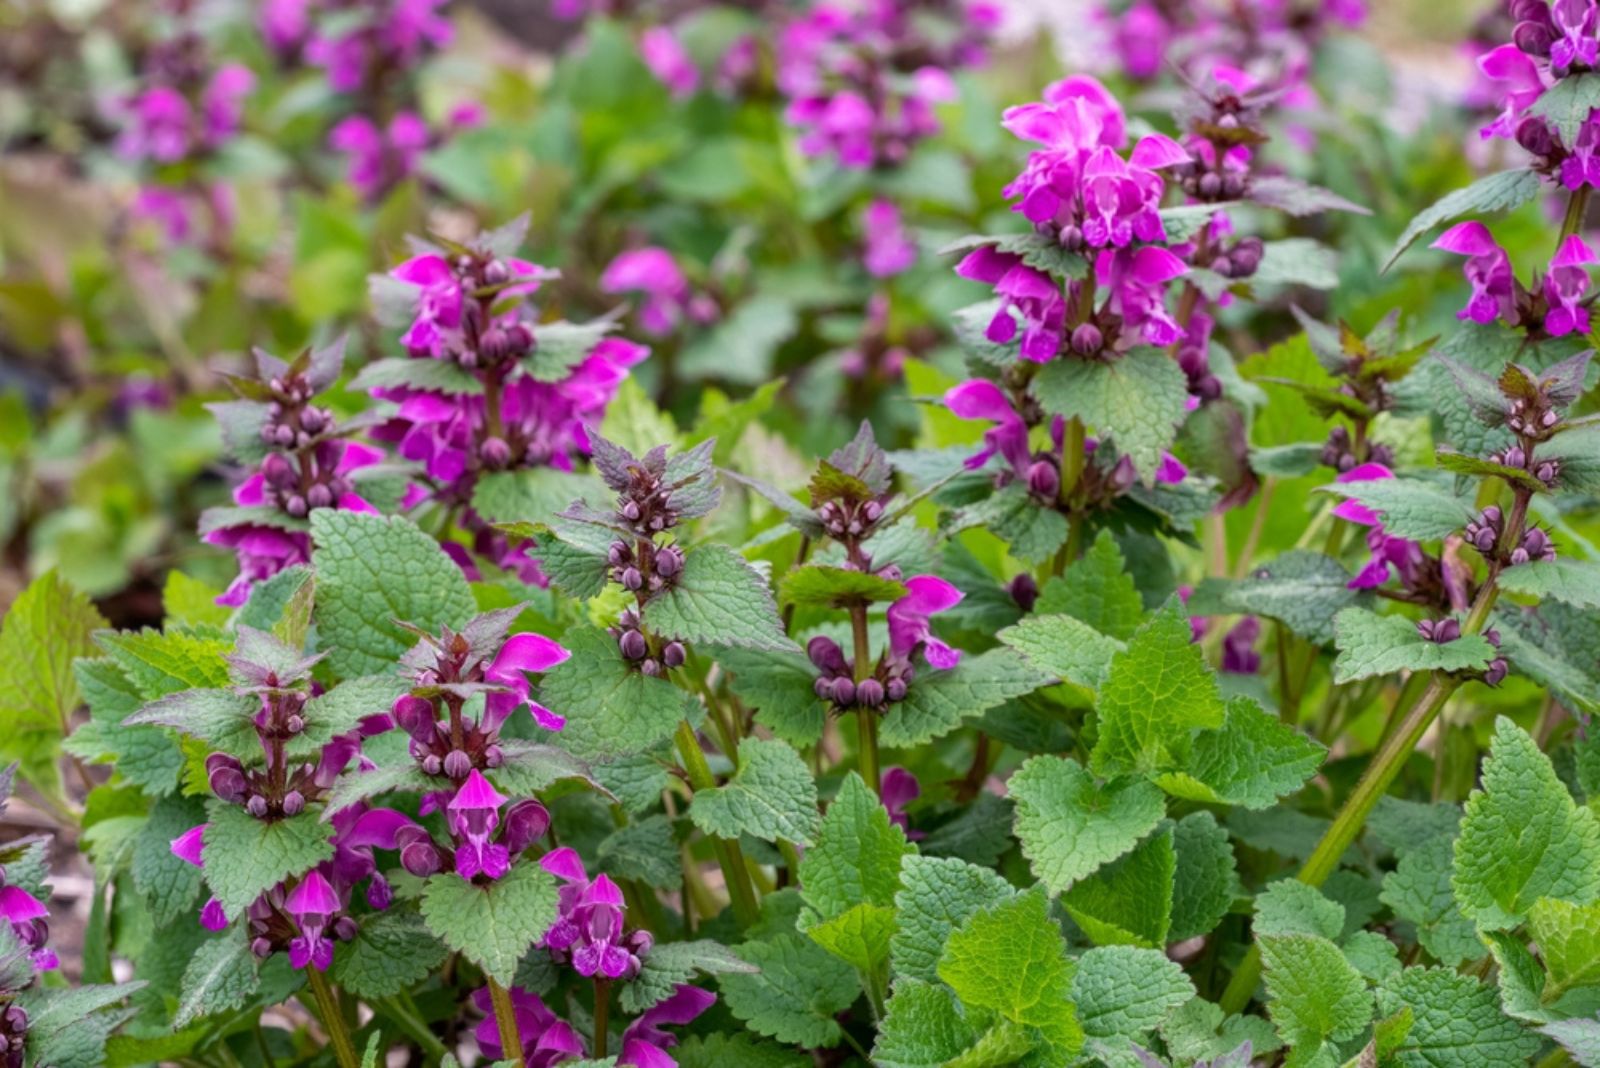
285, 24
1137, 281
669, 61
1034, 294
589, 930
1522, 84
158, 124
668, 298
898, 790
377, 159
890, 249
979, 398
1565, 286
358, 830
1404, 554
1141, 38
222, 103
909, 630
645, 1041
396, 37
1576, 47
546, 1040
28, 918
474, 814
312, 904
1239, 656
521, 654
1488, 268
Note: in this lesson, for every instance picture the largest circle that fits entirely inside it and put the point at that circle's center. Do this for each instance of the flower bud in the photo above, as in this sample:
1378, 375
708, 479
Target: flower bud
869, 693
415, 716
379, 893
669, 561
296, 506
1232, 186
1087, 339
617, 553
1496, 672
1043, 480
228, 784
872, 511
345, 927
1071, 238
256, 806
1025, 591
651, 668
261, 947
431, 764
493, 756
1246, 256
1448, 630
495, 273
277, 471
826, 655
319, 496
632, 579
633, 645
1222, 265
284, 435
631, 512
494, 453
673, 654
295, 723
844, 692
1210, 185
896, 690
822, 686
525, 823
420, 859
457, 764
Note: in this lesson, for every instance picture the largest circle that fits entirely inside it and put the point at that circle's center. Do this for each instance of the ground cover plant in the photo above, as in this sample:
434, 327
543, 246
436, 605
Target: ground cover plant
782, 535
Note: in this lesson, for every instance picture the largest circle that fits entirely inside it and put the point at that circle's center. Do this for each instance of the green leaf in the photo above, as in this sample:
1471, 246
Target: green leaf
778, 688
1522, 837
1066, 647
979, 834
772, 796
221, 977
1137, 401
168, 884
674, 963
1370, 644
1123, 991
189, 602
1313, 993
1580, 1037
1303, 590
1567, 104
1253, 759
245, 857
433, 376
1069, 825
1010, 960
220, 717
1418, 890
341, 710
859, 936
561, 346
1291, 907
1032, 534
795, 993
45, 629
719, 600
148, 757
646, 851
746, 1051
1574, 582
392, 953
1409, 507
1456, 1021
533, 494
373, 573
856, 859
612, 709
836, 587
1129, 901
1568, 937
925, 1028
1097, 589
1197, 1031
1158, 692
1206, 881
936, 896
494, 925
1496, 192
939, 701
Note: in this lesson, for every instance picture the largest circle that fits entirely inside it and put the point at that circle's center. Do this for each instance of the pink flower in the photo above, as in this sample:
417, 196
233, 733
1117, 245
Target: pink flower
1576, 47
1141, 37
667, 59
898, 790
313, 904
546, 1040
646, 1038
521, 654
890, 249
377, 159
589, 930
1565, 286
1138, 284
1032, 293
223, 102
474, 814
1522, 84
653, 272
909, 629
1404, 554
158, 125
29, 920
1488, 268
981, 399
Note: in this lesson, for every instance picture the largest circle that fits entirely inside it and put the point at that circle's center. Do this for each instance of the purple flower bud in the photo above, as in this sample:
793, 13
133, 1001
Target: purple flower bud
1087, 339
457, 764
1043, 480
844, 692
296, 506
650, 667
432, 764
256, 806
632, 579
1497, 671
295, 723
1547, 472
822, 686
1447, 630
277, 471
669, 561
1519, 555
1425, 628
415, 716
673, 654
872, 511
826, 655
633, 645
1071, 237
524, 824
294, 803
1535, 541
616, 553
380, 895
346, 928
1025, 591
495, 272
494, 453
869, 693
1232, 186
1210, 185
896, 690
284, 435
630, 512
261, 947
891, 572
319, 496
1222, 265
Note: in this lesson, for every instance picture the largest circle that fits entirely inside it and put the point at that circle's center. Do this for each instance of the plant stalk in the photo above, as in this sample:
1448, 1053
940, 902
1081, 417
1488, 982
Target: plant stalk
505, 1022
866, 718
344, 1051
729, 856
602, 1016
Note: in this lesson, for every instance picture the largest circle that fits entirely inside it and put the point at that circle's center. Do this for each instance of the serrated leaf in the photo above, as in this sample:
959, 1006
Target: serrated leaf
1068, 648
859, 936
1568, 937
1418, 890
222, 976
1408, 507
612, 710
1159, 690
149, 757
534, 494
925, 1028
222, 718
1069, 825
778, 689
795, 992
1574, 582
1497, 192
373, 573
646, 851
1206, 880
392, 952
428, 375
674, 963
856, 859
1567, 104
168, 884
1303, 590
1253, 759
1097, 589
1370, 644
1299, 198
1456, 1021
836, 587
719, 600
245, 857
771, 797
1580, 1038
1010, 960
1314, 995
1137, 401
1291, 907
1124, 991
494, 925
747, 1051
1522, 837
936, 896
1129, 901
939, 701
979, 834
1462, 464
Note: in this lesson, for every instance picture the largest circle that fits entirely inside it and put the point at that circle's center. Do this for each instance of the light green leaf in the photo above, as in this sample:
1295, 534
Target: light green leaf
1568, 937
1456, 1022
1123, 991
772, 796
612, 709
1066, 647
1313, 993
1129, 901
45, 629
1418, 890
1576, 582
373, 573
1290, 907
939, 701
1069, 825
245, 857
1303, 590
859, 936
936, 896
221, 977
1137, 401
925, 1028
1096, 589
856, 859
494, 925
1409, 507
1206, 881
1158, 692
795, 993
1496, 192
1522, 837
836, 587
719, 599
1370, 644
672, 964
1251, 760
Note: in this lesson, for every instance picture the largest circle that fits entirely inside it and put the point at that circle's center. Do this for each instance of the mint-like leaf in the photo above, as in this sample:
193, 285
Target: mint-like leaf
938, 702
1069, 825
493, 925
1137, 401
772, 796
245, 857
1129, 901
1370, 644
936, 896
718, 600
612, 709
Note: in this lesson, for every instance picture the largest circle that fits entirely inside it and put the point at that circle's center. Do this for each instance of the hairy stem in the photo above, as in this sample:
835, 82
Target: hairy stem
866, 718
505, 1021
344, 1051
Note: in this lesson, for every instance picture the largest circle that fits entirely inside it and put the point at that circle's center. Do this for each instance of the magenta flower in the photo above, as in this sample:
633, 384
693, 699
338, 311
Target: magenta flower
222, 103
1404, 554
158, 125
1137, 281
979, 398
1032, 293
1565, 286
187, 847
29, 920
890, 249
1239, 655
442, 294
589, 931
909, 629
521, 654
645, 1041
358, 830
1141, 37
546, 1040
377, 159
1520, 81
1488, 268
474, 814
1078, 113
285, 24
1577, 46
397, 38
668, 299
669, 61
1582, 165
312, 904
898, 790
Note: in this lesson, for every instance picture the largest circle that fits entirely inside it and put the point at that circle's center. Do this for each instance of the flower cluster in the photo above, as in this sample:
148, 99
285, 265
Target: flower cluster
308, 465
1555, 306
548, 1040
666, 299
589, 932
486, 841
1549, 44
863, 80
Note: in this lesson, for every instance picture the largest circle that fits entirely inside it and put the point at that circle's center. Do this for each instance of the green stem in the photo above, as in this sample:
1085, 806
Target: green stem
505, 1021
729, 856
1577, 208
402, 1010
866, 718
344, 1051
1556, 1058
1379, 776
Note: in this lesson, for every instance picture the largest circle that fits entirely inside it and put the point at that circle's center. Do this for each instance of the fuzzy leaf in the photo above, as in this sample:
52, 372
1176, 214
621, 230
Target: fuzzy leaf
1298, 198
1206, 881
795, 993
1313, 993
1097, 589
1123, 991
611, 709
836, 587
1069, 825
168, 884
1066, 647
646, 851
939, 701
674, 963
1137, 401
220, 717
1409, 508
1456, 1021
1370, 644
777, 687
1497, 192
1129, 901
936, 896
1291, 907
45, 629
245, 857
856, 859
494, 925
718, 600
1418, 890
393, 952
1253, 759
925, 1028
221, 976
1303, 590
772, 796
1522, 837
1574, 582
1567, 104
1568, 936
